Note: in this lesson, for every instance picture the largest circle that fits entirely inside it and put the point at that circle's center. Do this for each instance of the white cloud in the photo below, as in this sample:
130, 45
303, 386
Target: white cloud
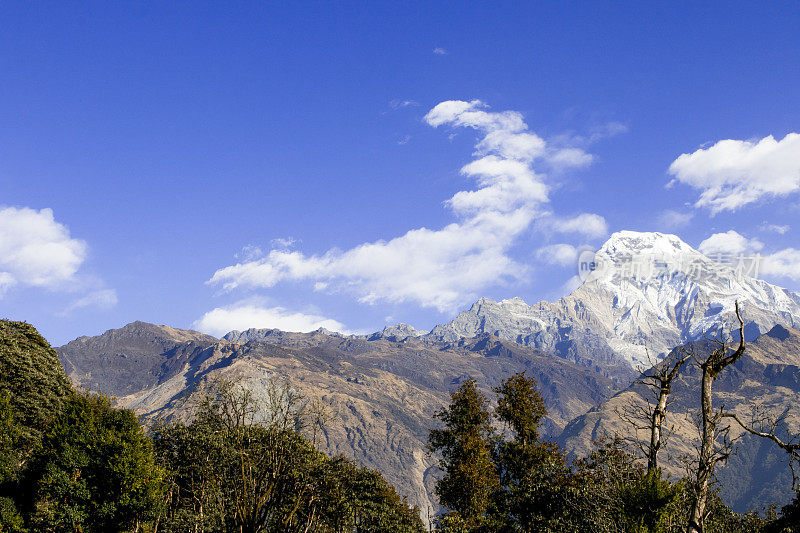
674, 219
282, 242
505, 184
221, 320
440, 268
570, 157
102, 299
6, 281
732, 173
252, 252
563, 146
609, 129
775, 228
440, 51
730, 242
506, 134
474, 114
559, 254
399, 104
35, 250
785, 263
588, 224
522, 146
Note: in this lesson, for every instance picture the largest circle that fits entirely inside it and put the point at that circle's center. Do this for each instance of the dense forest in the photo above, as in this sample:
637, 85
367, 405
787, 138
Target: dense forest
247, 462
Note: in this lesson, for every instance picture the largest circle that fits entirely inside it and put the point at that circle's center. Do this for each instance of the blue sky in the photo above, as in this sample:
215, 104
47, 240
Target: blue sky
146, 149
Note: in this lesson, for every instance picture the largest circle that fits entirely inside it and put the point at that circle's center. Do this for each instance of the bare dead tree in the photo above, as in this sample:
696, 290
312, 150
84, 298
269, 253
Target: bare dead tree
651, 415
765, 426
319, 416
711, 434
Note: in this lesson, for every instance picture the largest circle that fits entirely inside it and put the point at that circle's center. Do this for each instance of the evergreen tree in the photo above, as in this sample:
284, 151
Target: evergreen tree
464, 444
532, 473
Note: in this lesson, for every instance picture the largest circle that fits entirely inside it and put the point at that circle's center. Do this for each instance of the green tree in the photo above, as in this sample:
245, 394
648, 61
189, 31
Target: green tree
191, 456
789, 519
625, 495
646, 501
11, 435
32, 382
229, 472
94, 472
464, 444
10, 456
33, 387
532, 473
242, 465
360, 500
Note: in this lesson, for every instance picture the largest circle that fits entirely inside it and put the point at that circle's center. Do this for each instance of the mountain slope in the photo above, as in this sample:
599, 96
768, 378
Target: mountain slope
648, 292
382, 393
767, 375
129, 359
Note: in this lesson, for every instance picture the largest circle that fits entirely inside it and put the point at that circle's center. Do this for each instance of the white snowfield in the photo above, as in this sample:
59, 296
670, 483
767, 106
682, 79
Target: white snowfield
647, 293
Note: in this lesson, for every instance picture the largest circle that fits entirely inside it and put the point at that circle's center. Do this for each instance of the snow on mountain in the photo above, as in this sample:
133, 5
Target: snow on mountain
643, 294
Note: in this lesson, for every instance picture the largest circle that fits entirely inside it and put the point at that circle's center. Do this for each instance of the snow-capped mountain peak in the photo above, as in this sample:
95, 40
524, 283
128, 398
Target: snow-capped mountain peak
645, 294
624, 243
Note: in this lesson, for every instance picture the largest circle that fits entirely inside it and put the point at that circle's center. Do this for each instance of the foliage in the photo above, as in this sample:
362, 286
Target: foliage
789, 519
10, 458
627, 496
469, 477
533, 474
521, 408
71, 462
646, 501
361, 499
11, 521
32, 383
11, 435
242, 466
534, 488
94, 472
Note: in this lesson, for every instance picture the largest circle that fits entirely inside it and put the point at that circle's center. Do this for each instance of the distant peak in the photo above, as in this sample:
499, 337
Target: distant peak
400, 326
513, 301
396, 332
328, 332
779, 332
508, 302
644, 242
146, 329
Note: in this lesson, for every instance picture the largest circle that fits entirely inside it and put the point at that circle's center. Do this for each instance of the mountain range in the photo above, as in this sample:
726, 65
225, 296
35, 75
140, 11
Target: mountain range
642, 294
653, 292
